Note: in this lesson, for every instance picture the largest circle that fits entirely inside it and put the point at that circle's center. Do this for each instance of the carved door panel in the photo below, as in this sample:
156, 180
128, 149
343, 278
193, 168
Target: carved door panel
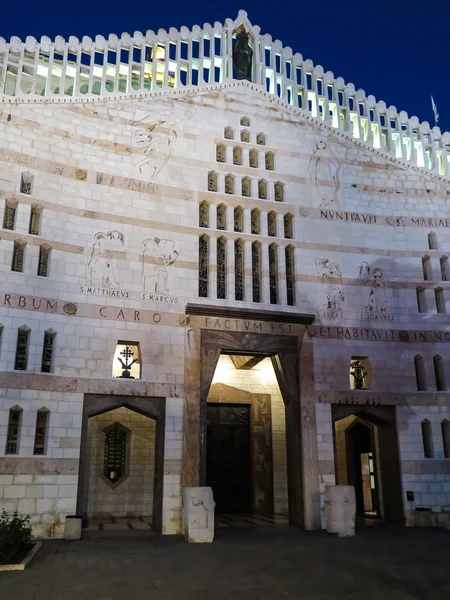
228, 469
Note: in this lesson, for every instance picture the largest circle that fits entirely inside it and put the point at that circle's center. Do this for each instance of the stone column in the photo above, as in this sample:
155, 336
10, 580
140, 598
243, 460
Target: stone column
190, 475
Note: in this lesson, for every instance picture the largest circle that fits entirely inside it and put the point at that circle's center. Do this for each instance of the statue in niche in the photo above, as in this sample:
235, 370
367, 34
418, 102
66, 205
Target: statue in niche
160, 255
378, 295
156, 137
242, 56
101, 263
358, 374
333, 283
324, 174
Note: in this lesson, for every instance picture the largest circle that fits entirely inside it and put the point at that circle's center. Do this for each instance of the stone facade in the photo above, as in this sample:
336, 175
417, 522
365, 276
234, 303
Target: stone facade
297, 215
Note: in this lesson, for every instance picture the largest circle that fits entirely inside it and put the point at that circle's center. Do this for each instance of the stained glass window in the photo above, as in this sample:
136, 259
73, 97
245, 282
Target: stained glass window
273, 274
221, 269
212, 181
203, 214
288, 226
270, 161
246, 187
290, 275
255, 221
256, 271
44, 258
221, 217
238, 219
272, 224
18, 257
245, 135
279, 191
41, 431
229, 184
12, 436
21, 361
26, 182
239, 269
253, 158
9, 218
237, 155
203, 246
47, 352
35, 220
262, 189
114, 461
220, 154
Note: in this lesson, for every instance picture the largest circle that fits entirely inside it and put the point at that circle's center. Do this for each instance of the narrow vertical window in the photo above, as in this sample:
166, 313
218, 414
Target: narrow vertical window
279, 191
9, 216
421, 300
115, 453
221, 219
203, 247
203, 214
255, 221
220, 153
212, 181
228, 133
238, 219
26, 183
290, 275
439, 373
35, 220
427, 439
221, 269
44, 260
420, 373
270, 161
40, 436
272, 224
440, 301
13, 433
47, 351
432, 241
445, 430
18, 256
262, 189
426, 268
288, 229
237, 155
256, 271
239, 270
445, 272
23, 337
253, 158
246, 188
245, 135
273, 273
229, 184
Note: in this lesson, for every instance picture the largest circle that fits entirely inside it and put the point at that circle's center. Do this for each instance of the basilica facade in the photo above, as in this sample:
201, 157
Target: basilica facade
223, 266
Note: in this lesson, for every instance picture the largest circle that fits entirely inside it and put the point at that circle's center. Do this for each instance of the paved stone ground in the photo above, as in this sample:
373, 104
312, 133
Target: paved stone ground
265, 563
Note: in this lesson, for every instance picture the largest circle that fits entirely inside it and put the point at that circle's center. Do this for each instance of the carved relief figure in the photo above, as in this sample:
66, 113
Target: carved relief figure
156, 137
242, 56
378, 297
101, 263
324, 174
333, 285
162, 253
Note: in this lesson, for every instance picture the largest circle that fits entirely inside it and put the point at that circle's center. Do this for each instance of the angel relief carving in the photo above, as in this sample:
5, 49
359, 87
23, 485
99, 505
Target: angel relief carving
155, 135
157, 256
101, 265
324, 173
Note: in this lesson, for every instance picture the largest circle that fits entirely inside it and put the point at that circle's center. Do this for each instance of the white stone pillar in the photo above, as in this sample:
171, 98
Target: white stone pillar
265, 287
248, 291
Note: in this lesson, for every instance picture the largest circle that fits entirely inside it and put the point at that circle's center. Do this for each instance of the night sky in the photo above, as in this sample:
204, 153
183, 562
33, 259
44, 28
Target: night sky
392, 49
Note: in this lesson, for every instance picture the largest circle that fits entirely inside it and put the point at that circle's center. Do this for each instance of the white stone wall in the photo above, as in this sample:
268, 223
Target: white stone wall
261, 379
133, 497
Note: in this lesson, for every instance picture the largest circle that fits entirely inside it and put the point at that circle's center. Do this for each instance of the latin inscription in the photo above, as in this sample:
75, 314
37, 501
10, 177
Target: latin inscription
253, 326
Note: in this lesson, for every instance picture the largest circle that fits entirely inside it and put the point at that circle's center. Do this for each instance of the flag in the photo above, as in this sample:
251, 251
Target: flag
436, 114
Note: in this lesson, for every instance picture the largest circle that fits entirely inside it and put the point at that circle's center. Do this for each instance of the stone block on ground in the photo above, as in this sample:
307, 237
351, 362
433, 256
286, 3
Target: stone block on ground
198, 515
340, 509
